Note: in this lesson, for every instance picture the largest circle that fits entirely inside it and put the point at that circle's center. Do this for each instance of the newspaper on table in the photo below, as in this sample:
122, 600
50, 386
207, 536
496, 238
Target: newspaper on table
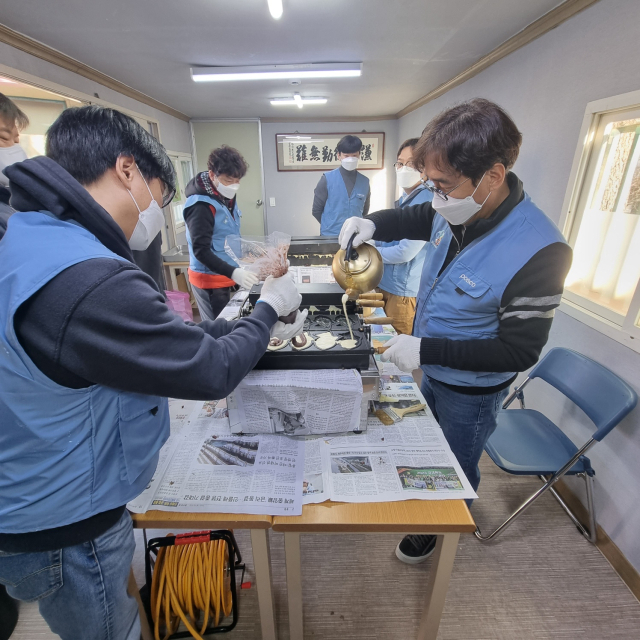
205, 468
297, 402
407, 460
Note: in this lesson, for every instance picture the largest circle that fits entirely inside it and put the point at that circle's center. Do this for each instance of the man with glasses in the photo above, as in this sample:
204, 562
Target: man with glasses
403, 259
89, 353
492, 277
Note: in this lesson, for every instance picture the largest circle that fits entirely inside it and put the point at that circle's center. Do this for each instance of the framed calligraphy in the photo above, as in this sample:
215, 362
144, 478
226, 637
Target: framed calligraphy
317, 151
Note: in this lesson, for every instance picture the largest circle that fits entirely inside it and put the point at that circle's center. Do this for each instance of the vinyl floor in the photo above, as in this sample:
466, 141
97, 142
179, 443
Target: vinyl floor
540, 581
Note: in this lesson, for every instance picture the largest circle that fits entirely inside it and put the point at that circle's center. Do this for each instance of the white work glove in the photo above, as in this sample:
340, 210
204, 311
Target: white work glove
287, 331
361, 226
244, 278
404, 352
281, 294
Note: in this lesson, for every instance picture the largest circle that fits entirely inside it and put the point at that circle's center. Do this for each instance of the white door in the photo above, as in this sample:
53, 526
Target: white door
245, 137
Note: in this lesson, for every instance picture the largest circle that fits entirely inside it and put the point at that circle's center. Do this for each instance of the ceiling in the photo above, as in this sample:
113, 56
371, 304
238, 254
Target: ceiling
407, 47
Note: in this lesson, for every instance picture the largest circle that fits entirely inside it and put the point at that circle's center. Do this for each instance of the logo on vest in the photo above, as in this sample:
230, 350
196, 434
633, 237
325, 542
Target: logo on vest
468, 280
438, 239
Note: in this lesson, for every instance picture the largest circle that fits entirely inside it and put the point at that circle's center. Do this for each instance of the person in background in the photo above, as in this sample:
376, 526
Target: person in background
211, 214
492, 278
12, 121
90, 353
343, 192
403, 259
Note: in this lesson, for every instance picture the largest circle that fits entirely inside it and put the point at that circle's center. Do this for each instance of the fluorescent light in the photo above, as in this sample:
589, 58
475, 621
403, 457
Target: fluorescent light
275, 9
299, 101
277, 72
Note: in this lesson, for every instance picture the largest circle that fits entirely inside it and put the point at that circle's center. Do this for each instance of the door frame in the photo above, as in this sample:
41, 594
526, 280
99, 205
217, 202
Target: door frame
260, 152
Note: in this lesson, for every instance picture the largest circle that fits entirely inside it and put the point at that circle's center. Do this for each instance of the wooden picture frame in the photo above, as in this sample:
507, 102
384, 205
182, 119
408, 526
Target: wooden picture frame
316, 151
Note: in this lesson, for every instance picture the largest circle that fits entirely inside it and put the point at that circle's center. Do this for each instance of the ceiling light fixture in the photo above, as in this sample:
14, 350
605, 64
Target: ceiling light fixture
275, 9
277, 72
297, 100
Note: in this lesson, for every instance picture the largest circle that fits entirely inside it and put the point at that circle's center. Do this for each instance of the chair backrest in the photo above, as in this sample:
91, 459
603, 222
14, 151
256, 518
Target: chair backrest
601, 394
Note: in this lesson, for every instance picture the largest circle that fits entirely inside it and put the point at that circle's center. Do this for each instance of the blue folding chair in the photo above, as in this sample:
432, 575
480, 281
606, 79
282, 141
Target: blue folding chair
526, 443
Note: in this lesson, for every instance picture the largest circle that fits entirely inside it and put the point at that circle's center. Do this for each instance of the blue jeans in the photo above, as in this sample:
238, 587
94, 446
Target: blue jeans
81, 590
467, 422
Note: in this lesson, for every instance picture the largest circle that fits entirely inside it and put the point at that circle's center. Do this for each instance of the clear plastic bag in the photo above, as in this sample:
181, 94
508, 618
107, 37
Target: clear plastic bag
264, 256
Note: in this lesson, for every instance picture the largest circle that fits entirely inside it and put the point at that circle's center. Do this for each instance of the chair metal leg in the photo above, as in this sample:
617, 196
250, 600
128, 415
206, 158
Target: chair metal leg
527, 503
590, 533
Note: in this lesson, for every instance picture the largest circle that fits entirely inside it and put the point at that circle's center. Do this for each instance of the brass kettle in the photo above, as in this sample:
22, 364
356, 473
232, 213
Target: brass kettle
357, 270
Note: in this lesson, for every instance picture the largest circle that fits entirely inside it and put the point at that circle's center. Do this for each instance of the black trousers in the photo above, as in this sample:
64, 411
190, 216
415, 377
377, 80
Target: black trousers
212, 301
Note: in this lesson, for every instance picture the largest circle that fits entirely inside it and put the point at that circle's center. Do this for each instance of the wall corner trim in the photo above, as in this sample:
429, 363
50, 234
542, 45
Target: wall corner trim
44, 52
618, 561
536, 29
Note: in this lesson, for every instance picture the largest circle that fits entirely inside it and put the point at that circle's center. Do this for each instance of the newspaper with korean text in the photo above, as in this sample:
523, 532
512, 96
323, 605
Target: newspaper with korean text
203, 467
297, 402
405, 459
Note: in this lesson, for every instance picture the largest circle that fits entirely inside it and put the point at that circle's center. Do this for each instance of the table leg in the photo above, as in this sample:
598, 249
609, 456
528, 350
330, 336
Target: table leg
442, 565
132, 588
174, 280
262, 567
294, 584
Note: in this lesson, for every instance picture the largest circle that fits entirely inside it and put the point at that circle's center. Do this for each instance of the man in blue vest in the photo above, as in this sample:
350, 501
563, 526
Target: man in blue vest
343, 192
89, 352
403, 259
492, 278
211, 213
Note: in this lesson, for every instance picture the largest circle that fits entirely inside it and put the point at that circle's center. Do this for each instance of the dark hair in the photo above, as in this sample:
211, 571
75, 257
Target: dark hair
11, 112
87, 142
470, 137
228, 161
411, 142
349, 144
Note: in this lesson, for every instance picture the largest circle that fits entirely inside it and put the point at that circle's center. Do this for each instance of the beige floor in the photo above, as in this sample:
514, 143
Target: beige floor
540, 581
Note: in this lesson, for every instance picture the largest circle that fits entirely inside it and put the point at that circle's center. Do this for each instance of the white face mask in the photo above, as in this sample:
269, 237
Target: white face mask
458, 210
407, 177
8, 156
149, 223
227, 190
349, 163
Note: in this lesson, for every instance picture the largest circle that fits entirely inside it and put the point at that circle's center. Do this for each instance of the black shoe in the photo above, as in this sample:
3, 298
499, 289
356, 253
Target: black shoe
8, 614
415, 549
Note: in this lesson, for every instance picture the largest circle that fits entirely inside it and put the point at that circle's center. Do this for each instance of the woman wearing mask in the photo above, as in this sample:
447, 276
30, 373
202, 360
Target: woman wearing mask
403, 259
211, 214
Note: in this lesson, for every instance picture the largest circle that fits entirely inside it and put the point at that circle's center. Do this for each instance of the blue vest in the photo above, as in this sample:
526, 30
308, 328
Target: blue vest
225, 225
340, 205
65, 454
403, 279
463, 303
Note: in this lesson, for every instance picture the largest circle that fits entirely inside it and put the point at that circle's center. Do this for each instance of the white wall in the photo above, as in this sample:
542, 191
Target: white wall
546, 86
293, 190
174, 133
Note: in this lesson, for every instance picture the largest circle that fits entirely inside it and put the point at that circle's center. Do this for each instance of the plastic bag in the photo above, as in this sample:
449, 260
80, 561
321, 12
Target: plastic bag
264, 256
179, 303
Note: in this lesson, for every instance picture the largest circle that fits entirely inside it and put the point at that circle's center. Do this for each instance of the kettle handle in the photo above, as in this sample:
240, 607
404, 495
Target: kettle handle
351, 253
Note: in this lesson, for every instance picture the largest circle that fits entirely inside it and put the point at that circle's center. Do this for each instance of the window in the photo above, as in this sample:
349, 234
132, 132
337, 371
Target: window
603, 218
184, 173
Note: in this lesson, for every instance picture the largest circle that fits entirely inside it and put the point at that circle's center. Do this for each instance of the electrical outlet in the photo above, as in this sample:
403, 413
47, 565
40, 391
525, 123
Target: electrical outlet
272, 202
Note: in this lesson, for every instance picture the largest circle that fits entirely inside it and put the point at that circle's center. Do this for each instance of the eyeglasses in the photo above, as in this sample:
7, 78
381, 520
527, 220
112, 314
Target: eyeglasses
168, 195
440, 192
399, 165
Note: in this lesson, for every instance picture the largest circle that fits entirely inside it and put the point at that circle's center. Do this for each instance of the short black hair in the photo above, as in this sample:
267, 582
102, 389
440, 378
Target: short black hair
87, 142
349, 144
228, 161
470, 137
10, 111
410, 142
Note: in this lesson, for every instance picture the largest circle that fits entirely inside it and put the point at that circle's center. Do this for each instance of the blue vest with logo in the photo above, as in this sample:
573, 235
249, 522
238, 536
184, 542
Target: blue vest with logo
403, 279
463, 302
225, 225
65, 454
340, 205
